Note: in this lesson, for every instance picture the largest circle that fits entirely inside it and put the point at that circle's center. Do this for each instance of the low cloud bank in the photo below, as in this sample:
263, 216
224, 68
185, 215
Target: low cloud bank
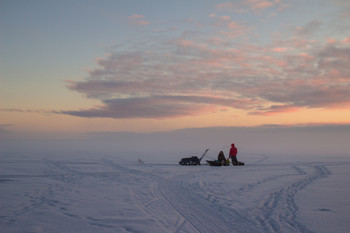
294, 141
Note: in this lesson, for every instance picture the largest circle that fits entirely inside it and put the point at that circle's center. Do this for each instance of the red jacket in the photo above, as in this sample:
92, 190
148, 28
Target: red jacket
233, 150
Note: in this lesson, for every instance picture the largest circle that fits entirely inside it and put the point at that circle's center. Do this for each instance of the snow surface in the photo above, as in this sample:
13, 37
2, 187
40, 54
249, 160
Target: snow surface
111, 194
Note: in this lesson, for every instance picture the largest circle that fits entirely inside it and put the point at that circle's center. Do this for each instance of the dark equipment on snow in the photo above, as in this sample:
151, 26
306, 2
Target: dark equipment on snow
194, 160
238, 164
216, 163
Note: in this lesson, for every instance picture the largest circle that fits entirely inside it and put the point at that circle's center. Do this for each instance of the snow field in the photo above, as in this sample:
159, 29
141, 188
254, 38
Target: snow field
110, 195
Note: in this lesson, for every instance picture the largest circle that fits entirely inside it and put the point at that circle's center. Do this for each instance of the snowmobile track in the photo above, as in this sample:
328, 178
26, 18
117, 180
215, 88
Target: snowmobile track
278, 211
185, 207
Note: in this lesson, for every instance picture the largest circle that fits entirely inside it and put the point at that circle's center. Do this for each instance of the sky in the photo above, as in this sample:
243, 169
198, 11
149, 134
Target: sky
82, 66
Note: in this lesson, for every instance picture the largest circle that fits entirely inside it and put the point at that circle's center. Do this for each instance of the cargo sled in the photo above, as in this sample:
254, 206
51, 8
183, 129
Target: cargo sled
214, 163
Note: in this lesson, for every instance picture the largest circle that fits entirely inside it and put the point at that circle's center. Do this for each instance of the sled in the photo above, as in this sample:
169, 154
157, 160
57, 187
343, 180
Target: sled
238, 164
194, 160
216, 163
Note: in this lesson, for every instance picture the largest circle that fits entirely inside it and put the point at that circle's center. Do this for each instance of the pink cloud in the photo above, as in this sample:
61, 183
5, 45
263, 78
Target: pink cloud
226, 5
225, 18
140, 22
331, 41
275, 109
227, 25
247, 5
280, 49
183, 42
233, 25
196, 73
346, 40
136, 16
136, 20
259, 4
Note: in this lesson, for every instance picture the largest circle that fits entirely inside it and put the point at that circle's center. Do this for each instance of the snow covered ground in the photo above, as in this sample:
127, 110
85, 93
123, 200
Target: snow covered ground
110, 194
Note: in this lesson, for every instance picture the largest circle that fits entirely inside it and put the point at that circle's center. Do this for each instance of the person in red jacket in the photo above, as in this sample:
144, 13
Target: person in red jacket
233, 154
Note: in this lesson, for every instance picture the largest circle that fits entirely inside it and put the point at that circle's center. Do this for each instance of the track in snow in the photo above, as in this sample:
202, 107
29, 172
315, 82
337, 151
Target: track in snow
277, 212
107, 196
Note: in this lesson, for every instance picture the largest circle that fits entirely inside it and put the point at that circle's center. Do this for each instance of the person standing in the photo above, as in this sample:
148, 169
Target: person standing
233, 154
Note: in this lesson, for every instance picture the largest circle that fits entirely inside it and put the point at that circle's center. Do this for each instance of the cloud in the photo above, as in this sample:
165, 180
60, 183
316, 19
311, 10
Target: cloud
344, 6
200, 72
229, 28
146, 107
259, 4
247, 5
225, 18
301, 140
40, 111
137, 19
185, 77
136, 16
280, 49
310, 28
4, 128
6, 125
157, 106
170, 29
275, 109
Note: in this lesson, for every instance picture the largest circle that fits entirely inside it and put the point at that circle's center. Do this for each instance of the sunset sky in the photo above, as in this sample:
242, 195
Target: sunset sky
143, 66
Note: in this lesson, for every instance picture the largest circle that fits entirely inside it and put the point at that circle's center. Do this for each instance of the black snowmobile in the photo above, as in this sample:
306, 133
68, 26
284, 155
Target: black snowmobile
194, 160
